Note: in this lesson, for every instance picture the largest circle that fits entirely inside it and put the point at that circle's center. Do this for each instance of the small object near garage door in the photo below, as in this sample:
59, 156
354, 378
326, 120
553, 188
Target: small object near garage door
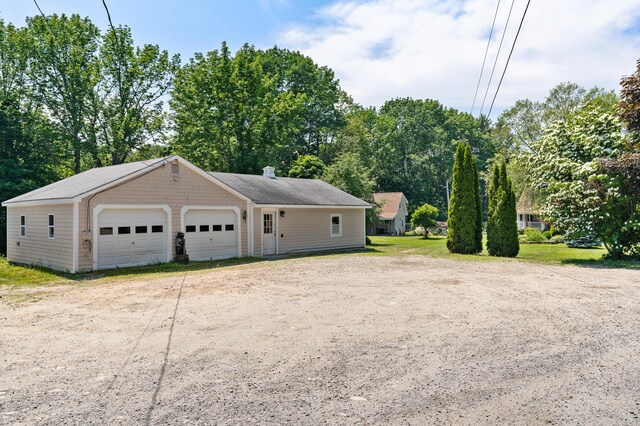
131, 237
211, 234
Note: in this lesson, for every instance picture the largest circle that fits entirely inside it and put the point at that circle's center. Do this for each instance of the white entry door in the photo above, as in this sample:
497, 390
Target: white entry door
211, 234
268, 232
130, 237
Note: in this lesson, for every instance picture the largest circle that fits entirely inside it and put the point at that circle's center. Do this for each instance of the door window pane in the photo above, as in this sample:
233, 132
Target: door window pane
141, 229
124, 230
106, 231
228, 227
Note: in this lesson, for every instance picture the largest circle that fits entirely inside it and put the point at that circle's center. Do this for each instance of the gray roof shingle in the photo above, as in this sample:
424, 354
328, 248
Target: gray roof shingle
84, 182
260, 189
288, 191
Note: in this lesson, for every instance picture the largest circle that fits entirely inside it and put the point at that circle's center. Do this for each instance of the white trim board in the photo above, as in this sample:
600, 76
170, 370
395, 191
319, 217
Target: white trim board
307, 206
75, 235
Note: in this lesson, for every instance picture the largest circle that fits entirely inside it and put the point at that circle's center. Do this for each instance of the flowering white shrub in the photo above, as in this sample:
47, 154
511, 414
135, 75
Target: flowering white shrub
571, 166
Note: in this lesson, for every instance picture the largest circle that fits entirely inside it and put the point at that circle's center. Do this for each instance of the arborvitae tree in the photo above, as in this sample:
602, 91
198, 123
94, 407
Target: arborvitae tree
462, 222
494, 187
478, 205
502, 228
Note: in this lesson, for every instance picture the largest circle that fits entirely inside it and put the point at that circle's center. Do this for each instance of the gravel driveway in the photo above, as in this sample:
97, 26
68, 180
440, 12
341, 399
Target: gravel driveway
330, 340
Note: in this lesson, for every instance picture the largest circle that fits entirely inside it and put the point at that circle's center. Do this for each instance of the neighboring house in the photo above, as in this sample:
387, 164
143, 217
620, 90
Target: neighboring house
528, 213
392, 219
129, 214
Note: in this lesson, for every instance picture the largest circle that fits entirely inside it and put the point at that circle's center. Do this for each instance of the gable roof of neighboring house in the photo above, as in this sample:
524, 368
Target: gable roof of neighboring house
255, 188
390, 204
525, 203
288, 191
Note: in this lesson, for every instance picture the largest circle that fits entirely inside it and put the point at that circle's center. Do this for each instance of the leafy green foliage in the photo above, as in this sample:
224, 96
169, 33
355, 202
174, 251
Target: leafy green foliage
128, 111
424, 216
307, 167
629, 106
534, 235
412, 147
239, 113
462, 223
589, 183
350, 175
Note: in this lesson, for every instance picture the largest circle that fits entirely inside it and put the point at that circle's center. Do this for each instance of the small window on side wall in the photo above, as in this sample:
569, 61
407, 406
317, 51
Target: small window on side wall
336, 225
52, 227
23, 226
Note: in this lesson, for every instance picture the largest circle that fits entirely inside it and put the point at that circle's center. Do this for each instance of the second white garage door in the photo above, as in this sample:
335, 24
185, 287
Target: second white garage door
211, 234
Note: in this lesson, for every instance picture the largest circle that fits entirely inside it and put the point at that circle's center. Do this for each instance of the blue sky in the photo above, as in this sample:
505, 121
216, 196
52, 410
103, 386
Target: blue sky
382, 49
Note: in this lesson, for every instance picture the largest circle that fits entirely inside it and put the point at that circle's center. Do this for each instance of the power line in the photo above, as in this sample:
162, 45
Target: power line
485, 56
495, 62
511, 52
38, 6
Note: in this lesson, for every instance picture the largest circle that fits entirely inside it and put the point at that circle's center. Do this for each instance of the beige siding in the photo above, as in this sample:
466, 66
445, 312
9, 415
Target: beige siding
159, 188
257, 232
36, 248
309, 229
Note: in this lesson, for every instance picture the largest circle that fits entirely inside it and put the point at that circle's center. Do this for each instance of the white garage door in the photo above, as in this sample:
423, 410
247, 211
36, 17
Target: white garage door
211, 234
129, 237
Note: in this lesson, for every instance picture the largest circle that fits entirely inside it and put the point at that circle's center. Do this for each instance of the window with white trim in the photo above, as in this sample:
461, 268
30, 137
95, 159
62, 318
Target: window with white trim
23, 226
52, 227
336, 225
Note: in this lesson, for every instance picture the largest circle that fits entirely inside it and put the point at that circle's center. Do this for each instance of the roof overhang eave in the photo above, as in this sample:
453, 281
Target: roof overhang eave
27, 203
310, 206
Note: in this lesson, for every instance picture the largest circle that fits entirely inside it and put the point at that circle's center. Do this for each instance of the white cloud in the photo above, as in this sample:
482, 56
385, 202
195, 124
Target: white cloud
383, 49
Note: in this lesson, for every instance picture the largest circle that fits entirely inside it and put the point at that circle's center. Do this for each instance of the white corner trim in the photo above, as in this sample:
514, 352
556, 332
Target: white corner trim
75, 245
331, 225
185, 209
364, 225
100, 207
250, 228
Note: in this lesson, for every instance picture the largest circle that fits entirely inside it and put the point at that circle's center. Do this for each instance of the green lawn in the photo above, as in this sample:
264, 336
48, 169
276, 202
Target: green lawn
20, 276
435, 246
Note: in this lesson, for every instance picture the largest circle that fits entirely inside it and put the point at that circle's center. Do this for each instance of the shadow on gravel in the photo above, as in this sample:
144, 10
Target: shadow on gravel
603, 263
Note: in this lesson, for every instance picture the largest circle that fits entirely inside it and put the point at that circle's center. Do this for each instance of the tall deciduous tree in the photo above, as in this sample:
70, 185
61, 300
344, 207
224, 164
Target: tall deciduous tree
629, 106
129, 106
237, 113
462, 223
64, 72
581, 168
307, 167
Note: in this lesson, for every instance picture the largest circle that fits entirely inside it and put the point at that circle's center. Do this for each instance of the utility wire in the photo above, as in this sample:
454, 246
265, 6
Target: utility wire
511, 52
38, 6
495, 62
485, 56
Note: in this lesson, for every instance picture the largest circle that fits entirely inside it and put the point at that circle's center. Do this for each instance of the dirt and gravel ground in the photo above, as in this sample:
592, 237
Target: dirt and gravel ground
329, 340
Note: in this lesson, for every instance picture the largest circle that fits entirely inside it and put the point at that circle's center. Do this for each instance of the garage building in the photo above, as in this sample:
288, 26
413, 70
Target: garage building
129, 215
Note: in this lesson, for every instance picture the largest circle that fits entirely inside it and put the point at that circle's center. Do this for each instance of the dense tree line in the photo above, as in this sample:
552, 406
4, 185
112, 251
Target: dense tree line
73, 97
